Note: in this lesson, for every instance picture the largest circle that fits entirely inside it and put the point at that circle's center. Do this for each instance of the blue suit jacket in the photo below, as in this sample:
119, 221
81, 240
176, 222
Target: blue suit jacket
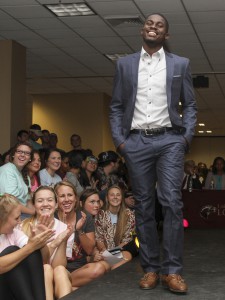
179, 89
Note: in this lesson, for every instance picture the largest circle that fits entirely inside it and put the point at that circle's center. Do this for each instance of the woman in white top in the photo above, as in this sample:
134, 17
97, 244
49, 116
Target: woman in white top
18, 255
57, 279
48, 175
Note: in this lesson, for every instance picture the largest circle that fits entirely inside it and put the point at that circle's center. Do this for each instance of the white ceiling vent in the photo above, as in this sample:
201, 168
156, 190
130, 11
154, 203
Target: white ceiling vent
124, 20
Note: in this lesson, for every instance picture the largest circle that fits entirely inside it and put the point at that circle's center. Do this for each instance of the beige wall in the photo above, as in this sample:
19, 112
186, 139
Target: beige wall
205, 149
84, 114
12, 92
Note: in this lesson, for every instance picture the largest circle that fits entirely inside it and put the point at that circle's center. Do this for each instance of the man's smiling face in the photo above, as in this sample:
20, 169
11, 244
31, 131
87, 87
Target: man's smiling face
155, 30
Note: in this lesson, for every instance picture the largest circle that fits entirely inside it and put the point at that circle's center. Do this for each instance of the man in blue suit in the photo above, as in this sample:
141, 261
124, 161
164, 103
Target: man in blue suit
152, 136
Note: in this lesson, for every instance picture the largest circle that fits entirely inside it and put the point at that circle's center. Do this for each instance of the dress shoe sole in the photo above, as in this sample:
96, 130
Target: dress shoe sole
172, 290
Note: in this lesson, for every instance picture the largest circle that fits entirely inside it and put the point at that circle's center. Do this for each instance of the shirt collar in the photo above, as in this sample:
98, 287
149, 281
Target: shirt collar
160, 53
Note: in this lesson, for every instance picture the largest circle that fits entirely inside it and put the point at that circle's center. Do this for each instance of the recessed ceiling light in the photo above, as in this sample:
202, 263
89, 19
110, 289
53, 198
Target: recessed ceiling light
208, 131
201, 124
200, 131
116, 56
70, 9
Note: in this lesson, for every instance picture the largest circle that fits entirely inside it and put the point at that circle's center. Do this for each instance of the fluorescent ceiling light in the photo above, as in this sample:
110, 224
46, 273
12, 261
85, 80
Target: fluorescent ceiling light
200, 131
116, 20
70, 9
208, 131
201, 124
115, 56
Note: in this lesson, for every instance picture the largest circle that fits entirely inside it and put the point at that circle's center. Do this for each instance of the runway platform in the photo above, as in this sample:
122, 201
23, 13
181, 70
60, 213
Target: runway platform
204, 271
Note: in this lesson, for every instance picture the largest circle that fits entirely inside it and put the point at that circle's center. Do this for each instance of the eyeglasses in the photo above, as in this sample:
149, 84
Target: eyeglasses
91, 160
27, 153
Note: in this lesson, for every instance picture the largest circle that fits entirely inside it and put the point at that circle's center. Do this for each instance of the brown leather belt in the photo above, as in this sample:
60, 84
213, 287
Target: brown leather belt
151, 131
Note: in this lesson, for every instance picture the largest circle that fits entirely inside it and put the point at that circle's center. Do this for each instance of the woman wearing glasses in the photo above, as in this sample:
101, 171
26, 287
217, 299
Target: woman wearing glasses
88, 178
12, 180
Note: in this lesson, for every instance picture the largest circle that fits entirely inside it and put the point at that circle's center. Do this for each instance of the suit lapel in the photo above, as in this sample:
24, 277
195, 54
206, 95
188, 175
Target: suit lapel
134, 70
169, 75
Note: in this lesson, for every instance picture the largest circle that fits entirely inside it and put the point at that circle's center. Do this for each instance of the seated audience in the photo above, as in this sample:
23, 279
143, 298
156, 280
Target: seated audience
57, 279
191, 179
115, 225
48, 175
21, 271
32, 169
216, 178
12, 180
34, 134
81, 271
88, 173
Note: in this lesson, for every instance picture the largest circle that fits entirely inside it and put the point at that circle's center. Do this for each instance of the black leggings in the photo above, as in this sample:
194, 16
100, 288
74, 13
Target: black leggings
26, 280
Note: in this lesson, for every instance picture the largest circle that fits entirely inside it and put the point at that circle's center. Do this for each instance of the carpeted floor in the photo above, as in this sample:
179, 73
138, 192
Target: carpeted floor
204, 271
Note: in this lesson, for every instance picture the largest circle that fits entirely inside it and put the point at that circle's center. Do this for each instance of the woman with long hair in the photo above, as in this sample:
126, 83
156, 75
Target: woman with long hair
32, 170
91, 203
48, 175
115, 225
21, 270
57, 279
88, 177
12, 180
215, 179
81, 271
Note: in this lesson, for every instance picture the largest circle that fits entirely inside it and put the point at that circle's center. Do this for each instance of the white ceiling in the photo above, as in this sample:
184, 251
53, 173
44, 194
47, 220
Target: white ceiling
66, 55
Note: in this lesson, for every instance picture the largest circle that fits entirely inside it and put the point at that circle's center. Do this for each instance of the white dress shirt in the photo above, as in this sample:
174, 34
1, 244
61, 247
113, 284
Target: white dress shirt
151, 108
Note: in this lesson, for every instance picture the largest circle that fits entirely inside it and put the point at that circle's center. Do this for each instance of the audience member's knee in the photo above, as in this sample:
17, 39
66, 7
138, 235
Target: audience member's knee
98, 270
60, 271
127, 256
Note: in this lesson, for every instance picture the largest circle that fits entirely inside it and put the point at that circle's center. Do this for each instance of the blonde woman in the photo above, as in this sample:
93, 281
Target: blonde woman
57, 279
21, 271
84, 242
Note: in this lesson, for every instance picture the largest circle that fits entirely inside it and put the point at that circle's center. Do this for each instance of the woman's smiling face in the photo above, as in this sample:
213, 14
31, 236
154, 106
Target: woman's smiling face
66, 198
54, 161
45, 202
114, 197
92, 204
21, 156
35, 164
